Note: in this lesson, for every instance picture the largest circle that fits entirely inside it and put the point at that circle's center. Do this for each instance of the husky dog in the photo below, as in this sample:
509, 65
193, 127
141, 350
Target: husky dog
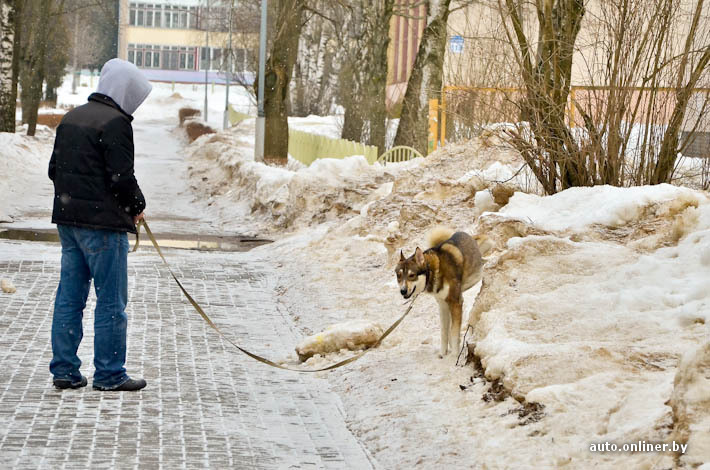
451, 266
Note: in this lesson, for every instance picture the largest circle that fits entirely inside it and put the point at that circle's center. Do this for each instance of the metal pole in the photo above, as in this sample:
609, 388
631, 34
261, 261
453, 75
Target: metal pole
207, 48
261, 120
225, 122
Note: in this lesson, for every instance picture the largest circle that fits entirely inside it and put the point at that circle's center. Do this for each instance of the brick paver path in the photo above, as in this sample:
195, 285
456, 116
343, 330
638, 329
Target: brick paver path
206, 406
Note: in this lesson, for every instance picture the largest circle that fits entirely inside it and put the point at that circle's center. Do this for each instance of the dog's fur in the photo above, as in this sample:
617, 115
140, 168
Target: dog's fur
452, 265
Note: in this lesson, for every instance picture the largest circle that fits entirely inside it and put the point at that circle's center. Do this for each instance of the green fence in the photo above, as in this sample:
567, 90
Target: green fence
235, 117
306, 148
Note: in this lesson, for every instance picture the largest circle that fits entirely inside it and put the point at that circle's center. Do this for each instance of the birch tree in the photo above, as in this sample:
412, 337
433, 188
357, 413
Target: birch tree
363, 78
7, 39
315, 80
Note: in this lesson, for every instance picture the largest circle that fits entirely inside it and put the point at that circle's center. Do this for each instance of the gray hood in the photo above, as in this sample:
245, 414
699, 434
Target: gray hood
124, 84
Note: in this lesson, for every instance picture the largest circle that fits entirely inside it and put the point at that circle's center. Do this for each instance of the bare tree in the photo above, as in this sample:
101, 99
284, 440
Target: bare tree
7, 40
35, 58
315, 81
426, 78
547, 75
279, 69
641, 62
691, 68
363, 77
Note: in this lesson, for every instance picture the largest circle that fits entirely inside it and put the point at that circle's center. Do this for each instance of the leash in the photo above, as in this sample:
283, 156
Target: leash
254, 356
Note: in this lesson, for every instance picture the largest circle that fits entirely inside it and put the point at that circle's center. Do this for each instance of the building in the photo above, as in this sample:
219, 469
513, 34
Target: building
406, 30
173, 40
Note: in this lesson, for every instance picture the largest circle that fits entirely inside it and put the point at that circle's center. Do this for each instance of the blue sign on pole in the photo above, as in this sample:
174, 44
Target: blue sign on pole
456, 44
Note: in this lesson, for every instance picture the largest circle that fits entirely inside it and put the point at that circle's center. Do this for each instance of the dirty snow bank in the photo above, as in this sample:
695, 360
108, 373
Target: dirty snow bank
584, 313
590, 298
285, 198
593, 326
23, 165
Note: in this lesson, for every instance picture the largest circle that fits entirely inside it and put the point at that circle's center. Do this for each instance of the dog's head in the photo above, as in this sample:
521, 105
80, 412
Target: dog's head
411, 273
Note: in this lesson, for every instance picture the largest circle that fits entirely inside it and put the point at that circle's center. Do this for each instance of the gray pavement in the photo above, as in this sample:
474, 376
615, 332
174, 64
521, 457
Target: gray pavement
206, 406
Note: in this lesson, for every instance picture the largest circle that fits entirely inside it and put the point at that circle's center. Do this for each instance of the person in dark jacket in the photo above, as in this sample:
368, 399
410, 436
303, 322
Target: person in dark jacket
96, 201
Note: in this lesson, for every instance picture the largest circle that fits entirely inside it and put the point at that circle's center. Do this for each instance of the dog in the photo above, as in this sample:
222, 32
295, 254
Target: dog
451, 266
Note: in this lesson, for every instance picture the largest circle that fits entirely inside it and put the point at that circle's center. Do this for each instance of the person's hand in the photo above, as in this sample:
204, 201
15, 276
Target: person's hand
138, 218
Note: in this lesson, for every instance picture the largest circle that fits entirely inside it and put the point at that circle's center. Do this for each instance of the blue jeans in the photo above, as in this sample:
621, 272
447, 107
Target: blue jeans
103, 256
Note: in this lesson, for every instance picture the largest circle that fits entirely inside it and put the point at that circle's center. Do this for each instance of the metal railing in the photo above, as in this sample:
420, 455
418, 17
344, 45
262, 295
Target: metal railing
401, 153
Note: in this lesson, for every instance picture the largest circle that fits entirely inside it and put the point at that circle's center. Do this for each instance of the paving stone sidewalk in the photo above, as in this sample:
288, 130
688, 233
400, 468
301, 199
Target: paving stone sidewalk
206, 406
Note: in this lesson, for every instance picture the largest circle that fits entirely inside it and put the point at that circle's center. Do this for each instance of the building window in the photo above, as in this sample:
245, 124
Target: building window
163, 16
132, 57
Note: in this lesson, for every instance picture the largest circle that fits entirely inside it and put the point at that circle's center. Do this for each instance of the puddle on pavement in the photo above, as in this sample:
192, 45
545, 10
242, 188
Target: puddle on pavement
179, 241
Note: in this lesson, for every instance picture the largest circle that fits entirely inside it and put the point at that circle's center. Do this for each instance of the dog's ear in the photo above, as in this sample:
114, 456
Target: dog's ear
419, 256
401, 255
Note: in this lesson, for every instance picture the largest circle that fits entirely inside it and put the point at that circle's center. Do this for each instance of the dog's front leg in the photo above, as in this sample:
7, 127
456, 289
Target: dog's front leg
445, 323
455, 307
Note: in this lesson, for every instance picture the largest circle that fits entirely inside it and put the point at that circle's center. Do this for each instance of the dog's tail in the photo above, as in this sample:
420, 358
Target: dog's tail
438, 235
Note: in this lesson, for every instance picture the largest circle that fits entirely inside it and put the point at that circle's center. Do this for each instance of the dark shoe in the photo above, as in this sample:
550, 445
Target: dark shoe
66, 383
130, 385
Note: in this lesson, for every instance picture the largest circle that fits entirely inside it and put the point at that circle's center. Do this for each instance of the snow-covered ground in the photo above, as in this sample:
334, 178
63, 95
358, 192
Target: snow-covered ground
591, 298
591, 324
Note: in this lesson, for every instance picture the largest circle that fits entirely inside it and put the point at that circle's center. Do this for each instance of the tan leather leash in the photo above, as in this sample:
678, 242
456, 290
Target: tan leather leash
209, 321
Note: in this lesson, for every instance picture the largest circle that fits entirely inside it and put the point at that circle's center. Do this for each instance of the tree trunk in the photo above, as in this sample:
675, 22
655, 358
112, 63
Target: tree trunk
17, 45
353, 123
35, 64
279, 68
426, 79
378, 77
7, 98
363, 79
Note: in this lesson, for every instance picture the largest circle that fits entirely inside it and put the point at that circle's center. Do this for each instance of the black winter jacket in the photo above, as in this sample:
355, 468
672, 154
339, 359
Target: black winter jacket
92, 168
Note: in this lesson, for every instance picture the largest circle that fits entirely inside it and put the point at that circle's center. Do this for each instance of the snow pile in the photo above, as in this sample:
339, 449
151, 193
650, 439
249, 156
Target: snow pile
352, 335
591, 328
586, 308
576, 209
290, 197
448, 187
23, 165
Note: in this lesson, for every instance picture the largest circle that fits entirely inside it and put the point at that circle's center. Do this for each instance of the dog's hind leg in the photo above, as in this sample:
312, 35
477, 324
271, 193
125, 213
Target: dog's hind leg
445, 323
455, 308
